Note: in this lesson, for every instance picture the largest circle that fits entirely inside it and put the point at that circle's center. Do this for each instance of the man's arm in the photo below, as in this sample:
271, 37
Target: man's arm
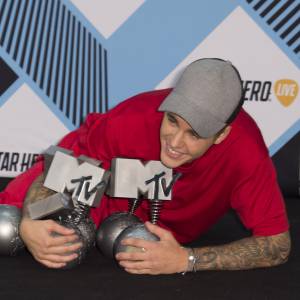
167, 256
36, 192
247, 253
53, 251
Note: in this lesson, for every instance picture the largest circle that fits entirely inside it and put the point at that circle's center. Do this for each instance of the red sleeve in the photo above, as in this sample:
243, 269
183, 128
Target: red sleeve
259, 203
16, 190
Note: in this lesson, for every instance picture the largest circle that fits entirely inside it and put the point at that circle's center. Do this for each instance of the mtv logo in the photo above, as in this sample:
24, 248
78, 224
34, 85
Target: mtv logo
131, 178
80, 176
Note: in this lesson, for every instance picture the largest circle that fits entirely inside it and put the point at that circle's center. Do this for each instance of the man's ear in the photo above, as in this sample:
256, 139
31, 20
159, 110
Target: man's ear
223, 135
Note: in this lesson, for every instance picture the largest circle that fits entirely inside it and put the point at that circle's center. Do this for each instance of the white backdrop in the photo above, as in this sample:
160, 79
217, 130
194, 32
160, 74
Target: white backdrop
69, 58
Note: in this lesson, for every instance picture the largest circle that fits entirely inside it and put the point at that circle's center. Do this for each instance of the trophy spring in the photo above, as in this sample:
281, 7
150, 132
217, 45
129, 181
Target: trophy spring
81, 212
133, 204
156, 206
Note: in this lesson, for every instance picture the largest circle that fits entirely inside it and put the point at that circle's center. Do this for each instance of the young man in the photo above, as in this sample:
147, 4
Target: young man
199, 130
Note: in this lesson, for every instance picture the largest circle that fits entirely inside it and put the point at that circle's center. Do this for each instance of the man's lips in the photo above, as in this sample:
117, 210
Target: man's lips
173, 153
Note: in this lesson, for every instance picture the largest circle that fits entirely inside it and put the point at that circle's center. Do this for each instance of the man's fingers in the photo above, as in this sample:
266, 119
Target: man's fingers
65, 249
62, 240
139, 243
53, 258
55, 227
131, 256
138, 271
160, 232
138, 265
50, 264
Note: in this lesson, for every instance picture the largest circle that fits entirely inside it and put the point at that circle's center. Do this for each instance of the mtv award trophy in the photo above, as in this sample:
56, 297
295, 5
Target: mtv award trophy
10, 240
80, 184
130, 178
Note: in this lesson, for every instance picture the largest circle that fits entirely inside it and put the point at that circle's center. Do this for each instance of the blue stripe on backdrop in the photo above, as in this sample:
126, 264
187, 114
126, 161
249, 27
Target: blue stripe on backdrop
61, 51
69, 71
21, 32
39, 47
27, 80
32, 47
16, 25
85, 21
141, 56
52, 29
80, 71
44, 48
10, 91
44, 43
5, 19
27, 35
284, 138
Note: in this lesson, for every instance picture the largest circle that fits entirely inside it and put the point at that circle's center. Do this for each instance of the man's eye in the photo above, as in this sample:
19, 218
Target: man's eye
194, 135
171, 119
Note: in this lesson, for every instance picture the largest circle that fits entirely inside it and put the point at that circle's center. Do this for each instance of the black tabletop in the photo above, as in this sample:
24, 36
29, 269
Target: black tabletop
21, 277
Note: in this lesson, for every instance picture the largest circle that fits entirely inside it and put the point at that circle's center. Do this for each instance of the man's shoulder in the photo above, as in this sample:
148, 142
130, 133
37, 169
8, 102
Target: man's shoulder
138, 114
247, 139
154, 94
139, 108
247, 129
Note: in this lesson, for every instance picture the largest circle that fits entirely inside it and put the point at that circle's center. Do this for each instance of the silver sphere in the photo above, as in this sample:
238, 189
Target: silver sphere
135, 231
110, 229
10, 240
86, 232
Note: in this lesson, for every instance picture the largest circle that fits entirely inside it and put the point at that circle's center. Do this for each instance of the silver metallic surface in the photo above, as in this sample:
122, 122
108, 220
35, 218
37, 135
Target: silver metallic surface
10, 240
82, 176
110, 229
90, 160
49, 154
80, 212
86, 232
138, 231
155, 208
133, 205
47, 207
129, 176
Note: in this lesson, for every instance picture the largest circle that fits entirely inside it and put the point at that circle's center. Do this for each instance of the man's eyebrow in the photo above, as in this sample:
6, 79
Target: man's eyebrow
171, 115
193, 132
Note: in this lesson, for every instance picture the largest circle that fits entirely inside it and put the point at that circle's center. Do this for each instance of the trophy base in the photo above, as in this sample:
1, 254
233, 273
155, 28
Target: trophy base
10, 240
138, 231
111, 228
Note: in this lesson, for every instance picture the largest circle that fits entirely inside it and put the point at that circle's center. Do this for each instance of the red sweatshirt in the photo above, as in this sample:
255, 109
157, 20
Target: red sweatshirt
237, 173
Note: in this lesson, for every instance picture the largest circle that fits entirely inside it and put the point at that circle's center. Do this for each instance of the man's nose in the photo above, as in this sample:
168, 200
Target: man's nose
176, 139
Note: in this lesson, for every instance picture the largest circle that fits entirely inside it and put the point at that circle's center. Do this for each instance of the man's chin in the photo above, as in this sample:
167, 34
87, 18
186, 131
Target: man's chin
171, 163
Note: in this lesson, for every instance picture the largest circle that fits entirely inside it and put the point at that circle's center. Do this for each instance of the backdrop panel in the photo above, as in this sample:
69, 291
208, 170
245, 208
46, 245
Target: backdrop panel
60, 60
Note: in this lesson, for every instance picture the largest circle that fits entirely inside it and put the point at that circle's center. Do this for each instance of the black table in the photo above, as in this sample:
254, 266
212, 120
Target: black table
22, 277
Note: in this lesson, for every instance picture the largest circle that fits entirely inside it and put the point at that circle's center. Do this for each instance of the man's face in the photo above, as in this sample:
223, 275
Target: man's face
180, 144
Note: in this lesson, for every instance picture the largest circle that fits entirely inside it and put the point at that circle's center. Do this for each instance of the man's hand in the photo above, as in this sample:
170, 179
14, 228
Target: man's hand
166, 256
163, 257
50, 243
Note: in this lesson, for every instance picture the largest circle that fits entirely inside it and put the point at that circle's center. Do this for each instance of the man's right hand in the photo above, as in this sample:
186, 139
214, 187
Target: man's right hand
50, 244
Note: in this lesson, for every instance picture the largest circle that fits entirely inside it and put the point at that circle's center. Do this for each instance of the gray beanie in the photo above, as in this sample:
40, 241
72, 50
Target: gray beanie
208, 95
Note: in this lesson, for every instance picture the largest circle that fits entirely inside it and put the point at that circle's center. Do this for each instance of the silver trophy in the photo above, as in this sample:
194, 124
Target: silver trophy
80, 184
111, 228
10, 240
133, 179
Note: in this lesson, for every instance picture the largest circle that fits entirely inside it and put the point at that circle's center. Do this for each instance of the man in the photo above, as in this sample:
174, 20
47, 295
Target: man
199, 130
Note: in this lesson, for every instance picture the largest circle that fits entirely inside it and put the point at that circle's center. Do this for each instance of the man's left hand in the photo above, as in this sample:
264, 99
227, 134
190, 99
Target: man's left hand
162, 257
